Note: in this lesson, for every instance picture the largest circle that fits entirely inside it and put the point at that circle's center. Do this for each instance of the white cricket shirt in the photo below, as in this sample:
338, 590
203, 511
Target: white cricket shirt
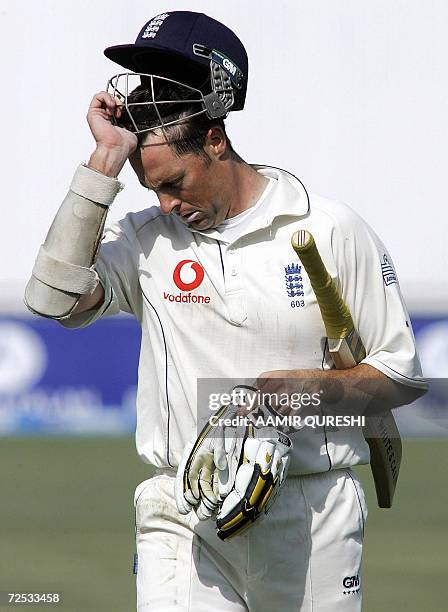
213, 309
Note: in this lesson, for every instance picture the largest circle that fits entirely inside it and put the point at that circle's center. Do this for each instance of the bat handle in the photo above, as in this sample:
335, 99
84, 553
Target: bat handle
335, 314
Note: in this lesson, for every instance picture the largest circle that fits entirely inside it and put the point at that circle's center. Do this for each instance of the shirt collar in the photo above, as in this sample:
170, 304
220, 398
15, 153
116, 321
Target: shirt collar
289, 196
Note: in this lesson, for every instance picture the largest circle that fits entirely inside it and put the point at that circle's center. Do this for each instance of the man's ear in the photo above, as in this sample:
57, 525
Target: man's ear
215, 142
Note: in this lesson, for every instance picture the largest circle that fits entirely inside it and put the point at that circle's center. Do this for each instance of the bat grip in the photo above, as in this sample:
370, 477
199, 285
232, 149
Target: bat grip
335, 314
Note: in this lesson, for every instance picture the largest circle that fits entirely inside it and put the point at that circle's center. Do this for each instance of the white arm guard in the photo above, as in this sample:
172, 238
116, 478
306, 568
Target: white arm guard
64, 268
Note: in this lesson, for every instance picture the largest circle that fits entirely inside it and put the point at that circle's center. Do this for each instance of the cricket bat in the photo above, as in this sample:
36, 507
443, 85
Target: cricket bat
346, 350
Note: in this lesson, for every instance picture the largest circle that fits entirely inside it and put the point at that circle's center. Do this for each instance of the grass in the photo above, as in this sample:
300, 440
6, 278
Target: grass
67, 520
405, 547
66, 524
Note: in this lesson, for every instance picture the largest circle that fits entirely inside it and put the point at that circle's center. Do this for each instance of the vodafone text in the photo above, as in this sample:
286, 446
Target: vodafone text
186, 298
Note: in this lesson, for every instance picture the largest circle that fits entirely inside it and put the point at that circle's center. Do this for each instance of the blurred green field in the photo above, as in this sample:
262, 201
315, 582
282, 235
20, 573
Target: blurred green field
66, 524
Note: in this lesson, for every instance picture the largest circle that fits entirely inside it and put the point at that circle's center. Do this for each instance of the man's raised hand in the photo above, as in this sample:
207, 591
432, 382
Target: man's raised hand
114, 144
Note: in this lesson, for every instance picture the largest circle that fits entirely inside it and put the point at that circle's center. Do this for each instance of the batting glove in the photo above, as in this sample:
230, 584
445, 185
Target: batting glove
262, 465
237, 469
197, 482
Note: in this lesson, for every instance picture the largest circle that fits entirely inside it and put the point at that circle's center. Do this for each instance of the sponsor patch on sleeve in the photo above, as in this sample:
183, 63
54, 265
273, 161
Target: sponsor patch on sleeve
388, 271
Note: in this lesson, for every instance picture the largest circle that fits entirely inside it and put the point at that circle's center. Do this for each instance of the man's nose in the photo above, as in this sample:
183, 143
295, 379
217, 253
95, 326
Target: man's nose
168, 203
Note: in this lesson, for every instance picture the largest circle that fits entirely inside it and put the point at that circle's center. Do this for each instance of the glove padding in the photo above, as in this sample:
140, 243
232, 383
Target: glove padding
196, 483
261, 472
238, 470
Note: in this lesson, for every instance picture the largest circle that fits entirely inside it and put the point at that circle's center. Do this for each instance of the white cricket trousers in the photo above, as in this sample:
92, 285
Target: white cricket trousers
305, 555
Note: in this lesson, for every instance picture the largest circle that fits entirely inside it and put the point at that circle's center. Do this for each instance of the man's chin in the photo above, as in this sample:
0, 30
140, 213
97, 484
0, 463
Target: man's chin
201, 224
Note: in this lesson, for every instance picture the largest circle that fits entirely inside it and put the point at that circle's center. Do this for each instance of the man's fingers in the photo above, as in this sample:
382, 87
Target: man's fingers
283, 410
103, 101
268, 383
269, 389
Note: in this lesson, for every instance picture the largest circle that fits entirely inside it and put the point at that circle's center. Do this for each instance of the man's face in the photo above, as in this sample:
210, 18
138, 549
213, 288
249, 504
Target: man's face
187, 186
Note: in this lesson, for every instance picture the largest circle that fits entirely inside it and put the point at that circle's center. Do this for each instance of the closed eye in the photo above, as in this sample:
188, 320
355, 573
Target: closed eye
171, 184
174, 183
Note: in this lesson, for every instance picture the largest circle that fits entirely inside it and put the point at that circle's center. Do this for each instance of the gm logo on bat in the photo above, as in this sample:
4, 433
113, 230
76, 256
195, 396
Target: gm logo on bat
187, 276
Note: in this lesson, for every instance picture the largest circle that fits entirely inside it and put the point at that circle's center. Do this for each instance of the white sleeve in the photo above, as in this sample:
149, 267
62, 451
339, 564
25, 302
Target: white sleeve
370, 288
117, 268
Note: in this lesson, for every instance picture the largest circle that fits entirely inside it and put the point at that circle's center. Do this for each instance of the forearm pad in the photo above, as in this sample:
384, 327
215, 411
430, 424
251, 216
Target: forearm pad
64, 268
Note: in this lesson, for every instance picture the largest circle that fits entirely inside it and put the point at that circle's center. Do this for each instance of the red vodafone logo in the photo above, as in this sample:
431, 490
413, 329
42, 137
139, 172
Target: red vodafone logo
185, 268
187, 275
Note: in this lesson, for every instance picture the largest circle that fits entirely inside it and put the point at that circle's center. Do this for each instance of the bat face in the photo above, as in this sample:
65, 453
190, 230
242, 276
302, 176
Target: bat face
383, 438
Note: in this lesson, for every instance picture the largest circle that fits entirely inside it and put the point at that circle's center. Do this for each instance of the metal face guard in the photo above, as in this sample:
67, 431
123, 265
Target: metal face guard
215, 104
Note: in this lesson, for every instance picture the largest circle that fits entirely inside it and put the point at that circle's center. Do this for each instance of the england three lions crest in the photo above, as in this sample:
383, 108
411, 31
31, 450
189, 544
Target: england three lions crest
294, 284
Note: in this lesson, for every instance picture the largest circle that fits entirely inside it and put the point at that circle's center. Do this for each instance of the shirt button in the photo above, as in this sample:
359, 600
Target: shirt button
232, 251
234, 272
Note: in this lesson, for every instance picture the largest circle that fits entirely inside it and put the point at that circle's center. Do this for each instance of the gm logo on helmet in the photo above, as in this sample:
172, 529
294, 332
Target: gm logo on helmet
229, 66
188, 277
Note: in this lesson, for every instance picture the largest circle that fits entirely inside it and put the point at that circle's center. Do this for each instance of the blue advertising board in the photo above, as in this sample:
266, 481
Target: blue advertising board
59, 381
56, 380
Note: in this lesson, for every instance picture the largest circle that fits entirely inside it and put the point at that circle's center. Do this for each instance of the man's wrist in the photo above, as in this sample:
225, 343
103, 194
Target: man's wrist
107, 161
95, 186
